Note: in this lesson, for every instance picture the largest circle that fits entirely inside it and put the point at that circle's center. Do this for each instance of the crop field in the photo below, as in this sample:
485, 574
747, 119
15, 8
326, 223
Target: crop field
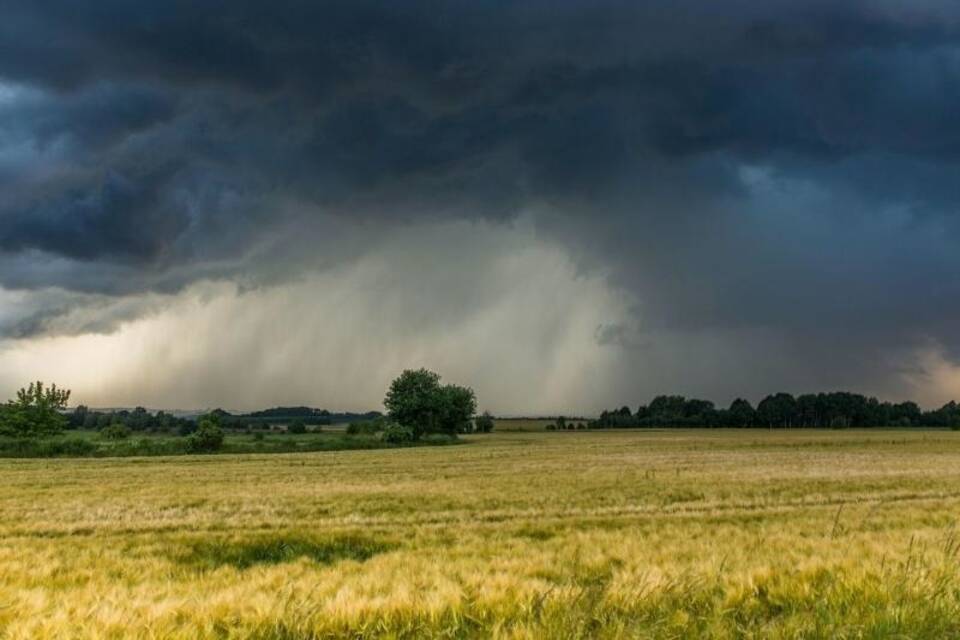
617, 534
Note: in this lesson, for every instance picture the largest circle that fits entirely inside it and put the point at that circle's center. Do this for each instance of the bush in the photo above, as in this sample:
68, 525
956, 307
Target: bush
398, 434
483, 423
258, 437
206, 439
116, 431
297, 427
365, 427
551, 427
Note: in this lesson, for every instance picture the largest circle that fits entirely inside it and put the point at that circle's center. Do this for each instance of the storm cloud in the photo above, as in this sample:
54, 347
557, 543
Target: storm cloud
772, 186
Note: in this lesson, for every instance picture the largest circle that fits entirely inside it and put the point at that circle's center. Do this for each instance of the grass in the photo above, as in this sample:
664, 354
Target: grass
211, 554
619, 534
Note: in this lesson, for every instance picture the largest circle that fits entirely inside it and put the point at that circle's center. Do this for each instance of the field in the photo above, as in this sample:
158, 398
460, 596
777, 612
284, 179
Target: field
666, 534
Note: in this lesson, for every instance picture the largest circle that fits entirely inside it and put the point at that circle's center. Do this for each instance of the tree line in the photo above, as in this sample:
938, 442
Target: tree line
418, 405
833, 410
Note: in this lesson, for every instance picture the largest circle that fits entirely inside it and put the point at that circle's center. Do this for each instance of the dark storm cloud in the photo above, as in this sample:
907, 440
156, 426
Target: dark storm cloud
785, 165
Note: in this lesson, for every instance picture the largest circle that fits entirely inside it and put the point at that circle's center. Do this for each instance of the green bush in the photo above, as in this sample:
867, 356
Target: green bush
116, 431
365, 427
483, 423
398, 434
297, 427
206, 439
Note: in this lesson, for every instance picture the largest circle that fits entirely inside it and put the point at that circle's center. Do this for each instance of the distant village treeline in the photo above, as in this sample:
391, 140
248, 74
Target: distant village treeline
781, 410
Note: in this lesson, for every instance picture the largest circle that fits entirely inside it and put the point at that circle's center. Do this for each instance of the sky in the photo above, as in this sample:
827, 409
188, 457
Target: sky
566, 205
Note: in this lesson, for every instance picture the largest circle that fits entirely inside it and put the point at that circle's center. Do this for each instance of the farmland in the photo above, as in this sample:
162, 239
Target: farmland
659, 533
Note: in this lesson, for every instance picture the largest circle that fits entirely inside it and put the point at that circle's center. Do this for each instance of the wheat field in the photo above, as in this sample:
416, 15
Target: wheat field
620, 534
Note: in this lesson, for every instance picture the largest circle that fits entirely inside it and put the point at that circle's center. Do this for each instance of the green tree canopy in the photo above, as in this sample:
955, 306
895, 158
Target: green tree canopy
417, 400
35, 412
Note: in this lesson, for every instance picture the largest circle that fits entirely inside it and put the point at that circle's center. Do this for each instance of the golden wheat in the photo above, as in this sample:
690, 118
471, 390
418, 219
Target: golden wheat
520, 535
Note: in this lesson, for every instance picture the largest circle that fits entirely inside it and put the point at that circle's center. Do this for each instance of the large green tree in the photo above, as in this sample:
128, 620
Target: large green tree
35, 412
417, 400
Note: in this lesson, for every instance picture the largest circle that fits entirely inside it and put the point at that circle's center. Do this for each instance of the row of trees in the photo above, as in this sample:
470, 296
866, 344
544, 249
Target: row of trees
137, 420
781, 410
39, 411
417, 403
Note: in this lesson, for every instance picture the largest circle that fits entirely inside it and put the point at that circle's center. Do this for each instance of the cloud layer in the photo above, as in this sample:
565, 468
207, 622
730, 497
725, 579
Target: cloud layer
769, 186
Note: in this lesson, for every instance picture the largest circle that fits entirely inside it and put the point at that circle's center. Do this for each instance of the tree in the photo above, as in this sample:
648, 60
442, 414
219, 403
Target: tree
79, 417
778, 410
457, 406
413, 400
417, 400
667, 410
484, 422
741, 413
35, 412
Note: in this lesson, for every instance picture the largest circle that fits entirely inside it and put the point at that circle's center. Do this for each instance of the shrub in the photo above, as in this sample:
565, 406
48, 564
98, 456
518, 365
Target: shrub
296, 427
483, 423
207, 438
258, 437
116, 431
398, 434
551, 427
365, 427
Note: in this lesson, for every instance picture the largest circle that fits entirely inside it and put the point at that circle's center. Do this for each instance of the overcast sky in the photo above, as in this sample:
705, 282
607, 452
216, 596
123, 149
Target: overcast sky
564, 204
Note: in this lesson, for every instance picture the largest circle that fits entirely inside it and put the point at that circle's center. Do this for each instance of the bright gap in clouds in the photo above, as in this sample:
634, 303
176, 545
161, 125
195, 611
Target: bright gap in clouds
486, 305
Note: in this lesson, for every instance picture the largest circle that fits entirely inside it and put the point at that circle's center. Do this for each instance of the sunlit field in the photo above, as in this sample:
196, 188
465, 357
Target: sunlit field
666, 534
